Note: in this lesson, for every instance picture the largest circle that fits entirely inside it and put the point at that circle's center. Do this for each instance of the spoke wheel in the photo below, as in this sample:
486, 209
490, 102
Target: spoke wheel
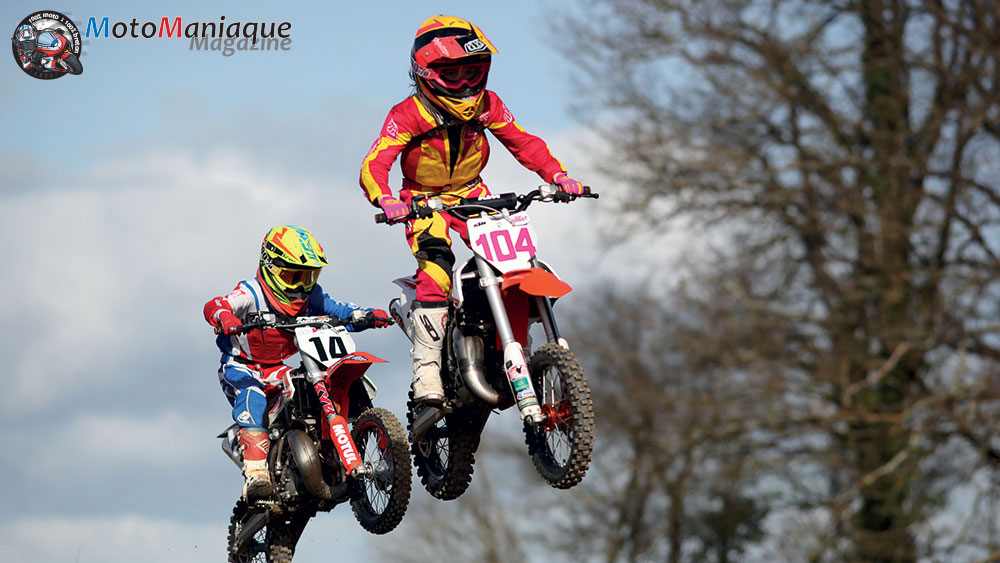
274, 543
561, 446
446, 454
380, 499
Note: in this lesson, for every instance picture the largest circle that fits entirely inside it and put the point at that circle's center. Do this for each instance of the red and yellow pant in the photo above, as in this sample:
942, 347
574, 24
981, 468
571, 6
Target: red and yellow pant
430, 241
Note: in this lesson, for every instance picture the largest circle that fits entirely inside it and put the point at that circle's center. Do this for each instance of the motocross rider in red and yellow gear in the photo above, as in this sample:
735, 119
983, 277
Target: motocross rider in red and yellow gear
440, 134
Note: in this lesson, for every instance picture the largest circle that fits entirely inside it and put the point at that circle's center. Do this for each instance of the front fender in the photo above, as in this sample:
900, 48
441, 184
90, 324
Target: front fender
343, 373
535, 281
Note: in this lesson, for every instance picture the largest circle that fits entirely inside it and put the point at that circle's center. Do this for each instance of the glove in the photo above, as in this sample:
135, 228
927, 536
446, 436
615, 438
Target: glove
381, 318
393, 208
567, 184
227, 323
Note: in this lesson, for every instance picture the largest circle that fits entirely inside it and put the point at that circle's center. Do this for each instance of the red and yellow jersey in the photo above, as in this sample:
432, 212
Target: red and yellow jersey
445, 158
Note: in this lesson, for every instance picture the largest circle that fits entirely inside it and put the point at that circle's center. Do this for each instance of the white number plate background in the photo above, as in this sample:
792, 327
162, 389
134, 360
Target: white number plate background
325, 345
507, 245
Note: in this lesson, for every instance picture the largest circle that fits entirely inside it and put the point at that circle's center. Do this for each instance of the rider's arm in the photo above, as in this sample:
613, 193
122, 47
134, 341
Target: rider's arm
395, 134
531, 151
320, 302
238, 302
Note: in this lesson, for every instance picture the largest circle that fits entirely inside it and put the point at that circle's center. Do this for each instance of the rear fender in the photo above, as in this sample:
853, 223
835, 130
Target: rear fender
400, 307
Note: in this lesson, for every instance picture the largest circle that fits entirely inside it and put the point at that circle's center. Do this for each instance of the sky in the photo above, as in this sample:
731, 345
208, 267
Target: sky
134, 193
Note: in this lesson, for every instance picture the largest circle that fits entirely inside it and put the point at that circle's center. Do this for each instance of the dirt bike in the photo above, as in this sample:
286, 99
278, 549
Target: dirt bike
315, 461
495, 296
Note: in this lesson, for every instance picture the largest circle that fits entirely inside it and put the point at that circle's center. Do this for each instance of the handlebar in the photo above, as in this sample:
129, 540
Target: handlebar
270, 320
489, 204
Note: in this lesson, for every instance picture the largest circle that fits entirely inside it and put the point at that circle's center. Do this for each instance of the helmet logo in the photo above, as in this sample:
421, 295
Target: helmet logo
474, 46
307, 247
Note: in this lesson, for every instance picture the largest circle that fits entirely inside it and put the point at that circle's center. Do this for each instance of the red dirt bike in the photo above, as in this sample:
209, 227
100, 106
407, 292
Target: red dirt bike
496, 295
316, 462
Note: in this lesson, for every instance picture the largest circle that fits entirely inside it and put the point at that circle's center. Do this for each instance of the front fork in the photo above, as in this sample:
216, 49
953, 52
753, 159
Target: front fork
514, 363
340, 434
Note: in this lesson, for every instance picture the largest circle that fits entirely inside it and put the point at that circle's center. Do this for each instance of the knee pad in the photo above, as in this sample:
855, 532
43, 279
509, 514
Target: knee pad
249, 407
435, 250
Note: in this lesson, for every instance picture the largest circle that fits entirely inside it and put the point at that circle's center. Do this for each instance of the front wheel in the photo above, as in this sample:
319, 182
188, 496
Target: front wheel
72, 64
560, 446
379, 499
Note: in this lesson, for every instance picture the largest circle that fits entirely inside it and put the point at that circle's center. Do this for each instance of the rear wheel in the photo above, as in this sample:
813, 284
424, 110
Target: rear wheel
273, 543
380, 499
446, 454
561, 446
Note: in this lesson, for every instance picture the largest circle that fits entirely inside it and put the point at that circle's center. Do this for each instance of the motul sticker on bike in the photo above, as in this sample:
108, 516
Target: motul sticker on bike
345, 445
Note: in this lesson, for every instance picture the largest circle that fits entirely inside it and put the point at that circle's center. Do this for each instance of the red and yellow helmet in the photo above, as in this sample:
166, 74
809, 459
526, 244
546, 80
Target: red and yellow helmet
450, 62
290, 262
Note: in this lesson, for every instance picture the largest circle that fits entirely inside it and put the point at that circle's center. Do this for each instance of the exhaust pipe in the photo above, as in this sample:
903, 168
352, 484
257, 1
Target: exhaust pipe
309, 466
469, 352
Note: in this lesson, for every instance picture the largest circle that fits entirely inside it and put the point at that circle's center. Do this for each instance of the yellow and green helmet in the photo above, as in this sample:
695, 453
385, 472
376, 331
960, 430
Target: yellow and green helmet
290, 262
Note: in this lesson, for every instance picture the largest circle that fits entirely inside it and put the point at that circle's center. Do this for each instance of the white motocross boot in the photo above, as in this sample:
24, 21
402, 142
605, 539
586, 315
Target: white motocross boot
429, 325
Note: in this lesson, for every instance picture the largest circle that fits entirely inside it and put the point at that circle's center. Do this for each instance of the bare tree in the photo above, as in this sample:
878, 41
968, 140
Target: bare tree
849, 151
673, 449
482, 525
676, 435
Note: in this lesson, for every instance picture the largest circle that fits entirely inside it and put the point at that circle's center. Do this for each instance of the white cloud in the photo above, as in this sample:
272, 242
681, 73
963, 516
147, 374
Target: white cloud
110, 540
131, 537
110, 268
98, 443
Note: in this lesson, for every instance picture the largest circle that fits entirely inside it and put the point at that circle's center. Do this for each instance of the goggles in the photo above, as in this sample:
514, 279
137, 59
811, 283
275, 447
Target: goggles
458, 76
294, 278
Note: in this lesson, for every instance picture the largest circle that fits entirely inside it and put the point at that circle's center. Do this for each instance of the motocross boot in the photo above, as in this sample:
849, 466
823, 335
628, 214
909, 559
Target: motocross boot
255, 445
428, 336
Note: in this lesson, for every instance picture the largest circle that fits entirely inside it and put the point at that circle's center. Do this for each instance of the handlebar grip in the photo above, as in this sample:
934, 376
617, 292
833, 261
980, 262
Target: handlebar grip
380, 217
237, 330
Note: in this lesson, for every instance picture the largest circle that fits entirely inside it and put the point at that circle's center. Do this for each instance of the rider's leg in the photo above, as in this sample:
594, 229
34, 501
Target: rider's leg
431, 246
429, 324
255, 446
247, 395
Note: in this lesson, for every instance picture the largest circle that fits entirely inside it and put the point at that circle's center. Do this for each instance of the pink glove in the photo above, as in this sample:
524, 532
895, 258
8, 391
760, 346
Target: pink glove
567, 184
227, 323
393, 208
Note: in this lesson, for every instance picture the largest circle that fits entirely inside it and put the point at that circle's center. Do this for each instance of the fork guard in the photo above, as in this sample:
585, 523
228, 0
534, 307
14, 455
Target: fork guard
535, 281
